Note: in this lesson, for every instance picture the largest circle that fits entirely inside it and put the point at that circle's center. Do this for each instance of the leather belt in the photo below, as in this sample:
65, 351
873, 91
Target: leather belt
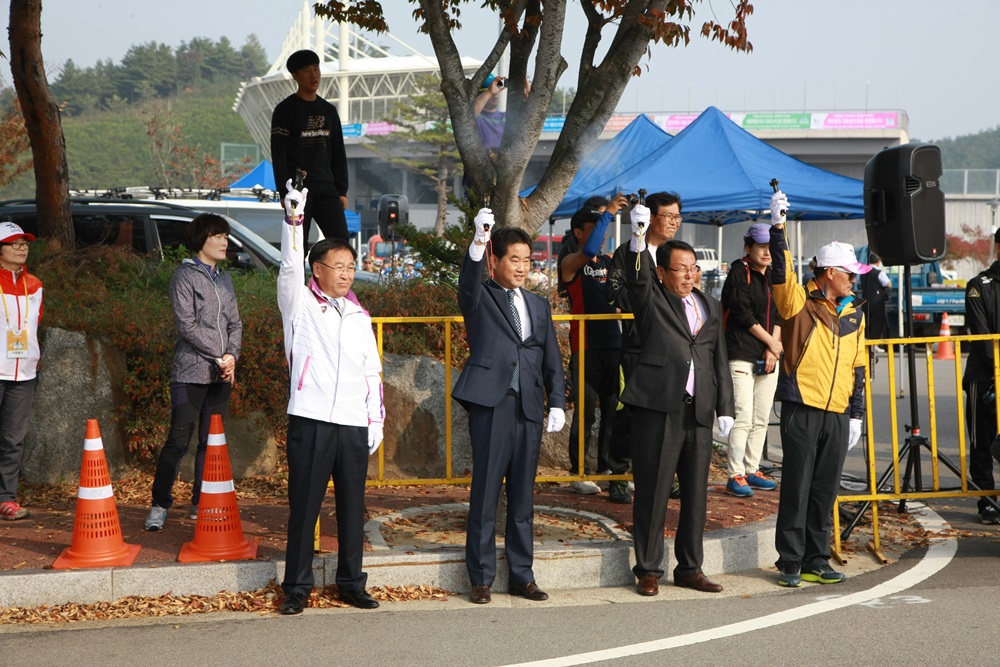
513, 392
688, 398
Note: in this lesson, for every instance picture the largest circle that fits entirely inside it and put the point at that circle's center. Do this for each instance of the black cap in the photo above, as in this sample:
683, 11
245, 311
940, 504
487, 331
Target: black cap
583, 216
301, 59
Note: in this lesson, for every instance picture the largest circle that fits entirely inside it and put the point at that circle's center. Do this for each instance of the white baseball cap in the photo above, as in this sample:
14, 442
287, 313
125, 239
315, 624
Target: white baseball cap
11, 232
840, 255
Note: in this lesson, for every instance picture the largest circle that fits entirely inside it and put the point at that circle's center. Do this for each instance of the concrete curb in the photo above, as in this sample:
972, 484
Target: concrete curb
558, 566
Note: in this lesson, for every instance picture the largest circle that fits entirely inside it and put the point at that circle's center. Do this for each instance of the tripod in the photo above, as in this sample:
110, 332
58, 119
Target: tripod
915, 441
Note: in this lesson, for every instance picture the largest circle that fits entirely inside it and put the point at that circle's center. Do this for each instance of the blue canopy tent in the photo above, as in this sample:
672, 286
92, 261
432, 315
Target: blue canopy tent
723, 175
262, 175
615, 161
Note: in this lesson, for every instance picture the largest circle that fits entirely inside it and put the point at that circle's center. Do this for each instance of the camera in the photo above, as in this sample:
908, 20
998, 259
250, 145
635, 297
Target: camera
634, 198
501, 82
760, 367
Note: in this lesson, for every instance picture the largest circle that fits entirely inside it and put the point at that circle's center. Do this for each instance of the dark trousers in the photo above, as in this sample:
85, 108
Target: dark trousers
664, 444
328, 212
188, 403
317, 452
814, 444
504, 444
601, 389
620, 455
15, 418
982, 422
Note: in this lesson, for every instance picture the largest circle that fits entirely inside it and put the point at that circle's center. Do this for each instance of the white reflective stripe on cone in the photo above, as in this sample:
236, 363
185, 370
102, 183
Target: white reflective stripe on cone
95, 493
216, 439
217, 487
92, 444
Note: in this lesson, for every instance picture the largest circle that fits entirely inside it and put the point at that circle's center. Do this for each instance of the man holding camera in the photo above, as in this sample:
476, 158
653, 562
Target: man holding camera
583, 274
753, 341
982, 312
514, 361
821, 388
679, 385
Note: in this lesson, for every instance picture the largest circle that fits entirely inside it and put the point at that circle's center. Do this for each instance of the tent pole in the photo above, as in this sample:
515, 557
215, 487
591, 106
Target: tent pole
718, 250
798, 245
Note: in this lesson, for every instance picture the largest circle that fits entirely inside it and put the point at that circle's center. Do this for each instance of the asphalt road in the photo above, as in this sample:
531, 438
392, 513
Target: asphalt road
933, 606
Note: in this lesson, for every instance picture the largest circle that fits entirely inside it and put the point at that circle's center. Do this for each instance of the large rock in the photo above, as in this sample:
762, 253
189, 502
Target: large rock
252, 451
415, 397
81, 379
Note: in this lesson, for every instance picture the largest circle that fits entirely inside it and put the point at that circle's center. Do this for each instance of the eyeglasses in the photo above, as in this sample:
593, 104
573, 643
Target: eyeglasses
339, 268
17, 245
670, 217
850, 275
685, 270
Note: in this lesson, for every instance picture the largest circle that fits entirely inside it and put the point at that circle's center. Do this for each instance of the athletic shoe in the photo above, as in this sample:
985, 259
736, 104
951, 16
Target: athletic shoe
618, 493
193, 514
990, 516
758, 481
822, 574
11, 511
790, 576
584, 488
157, 516
737, 486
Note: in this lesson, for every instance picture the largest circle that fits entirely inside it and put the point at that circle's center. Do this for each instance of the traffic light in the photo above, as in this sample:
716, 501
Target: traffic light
392, 209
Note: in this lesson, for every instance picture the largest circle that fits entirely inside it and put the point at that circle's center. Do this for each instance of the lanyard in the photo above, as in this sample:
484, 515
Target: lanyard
27, 306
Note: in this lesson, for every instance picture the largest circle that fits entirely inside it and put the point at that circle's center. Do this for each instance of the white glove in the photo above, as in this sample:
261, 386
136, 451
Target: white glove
484, 223
374, 437
725, 426
295, 201
640, 223
854, 434
779, 207
557, 419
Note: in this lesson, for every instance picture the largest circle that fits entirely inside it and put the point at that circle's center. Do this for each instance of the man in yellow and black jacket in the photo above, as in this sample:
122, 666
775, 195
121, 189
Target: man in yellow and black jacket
821, 387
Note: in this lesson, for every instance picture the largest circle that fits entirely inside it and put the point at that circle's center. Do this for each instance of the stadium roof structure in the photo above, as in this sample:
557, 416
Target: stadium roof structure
360, 77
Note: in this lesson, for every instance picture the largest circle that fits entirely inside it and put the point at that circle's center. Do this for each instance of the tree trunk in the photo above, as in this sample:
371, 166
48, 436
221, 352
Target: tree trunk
41, 119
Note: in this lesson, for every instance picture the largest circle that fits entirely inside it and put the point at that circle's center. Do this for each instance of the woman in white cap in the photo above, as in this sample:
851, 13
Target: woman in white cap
21, 294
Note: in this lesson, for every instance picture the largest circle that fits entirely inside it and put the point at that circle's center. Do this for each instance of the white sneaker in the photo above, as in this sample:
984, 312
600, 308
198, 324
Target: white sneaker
193, 514
584, 488
157, 516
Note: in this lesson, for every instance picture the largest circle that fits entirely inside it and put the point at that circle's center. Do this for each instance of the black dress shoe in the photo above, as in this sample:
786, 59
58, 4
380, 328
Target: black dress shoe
648, 585
360, 599
529, 591
698, 582
480, 594
293, 604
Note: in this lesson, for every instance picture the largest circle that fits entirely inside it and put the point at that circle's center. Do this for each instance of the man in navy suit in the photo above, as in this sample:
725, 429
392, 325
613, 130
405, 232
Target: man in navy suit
680, 383
514, 361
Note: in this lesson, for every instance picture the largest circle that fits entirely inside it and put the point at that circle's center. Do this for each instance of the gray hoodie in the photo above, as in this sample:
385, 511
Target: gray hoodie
207, 320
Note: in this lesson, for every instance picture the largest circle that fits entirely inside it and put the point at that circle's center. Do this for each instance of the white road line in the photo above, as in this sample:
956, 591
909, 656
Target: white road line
939, 554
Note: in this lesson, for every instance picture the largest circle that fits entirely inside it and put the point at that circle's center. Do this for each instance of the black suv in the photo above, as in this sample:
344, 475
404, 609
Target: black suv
146, 226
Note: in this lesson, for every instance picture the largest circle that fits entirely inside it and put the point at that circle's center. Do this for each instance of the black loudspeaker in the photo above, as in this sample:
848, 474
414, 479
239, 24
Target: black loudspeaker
904, 204
391, 210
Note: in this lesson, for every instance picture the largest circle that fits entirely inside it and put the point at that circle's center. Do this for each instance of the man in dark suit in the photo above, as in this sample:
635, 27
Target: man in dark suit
680, 383
514, 360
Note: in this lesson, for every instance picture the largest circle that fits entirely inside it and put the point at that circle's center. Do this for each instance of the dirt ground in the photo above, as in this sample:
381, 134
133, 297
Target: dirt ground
35, 542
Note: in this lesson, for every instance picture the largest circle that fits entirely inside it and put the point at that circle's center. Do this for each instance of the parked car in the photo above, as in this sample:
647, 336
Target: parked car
146, 226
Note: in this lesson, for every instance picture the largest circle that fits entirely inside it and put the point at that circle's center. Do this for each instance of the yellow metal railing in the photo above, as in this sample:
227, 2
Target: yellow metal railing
875, 495
449, 478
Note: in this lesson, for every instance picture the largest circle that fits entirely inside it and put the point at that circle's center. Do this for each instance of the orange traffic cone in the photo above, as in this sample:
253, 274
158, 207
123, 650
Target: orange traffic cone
946, 349
218, 533
97, 534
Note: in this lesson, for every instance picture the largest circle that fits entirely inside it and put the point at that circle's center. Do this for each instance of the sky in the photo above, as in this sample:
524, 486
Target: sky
934, 60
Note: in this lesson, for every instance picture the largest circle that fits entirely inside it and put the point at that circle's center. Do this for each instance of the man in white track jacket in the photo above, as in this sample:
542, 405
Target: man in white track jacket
335, 407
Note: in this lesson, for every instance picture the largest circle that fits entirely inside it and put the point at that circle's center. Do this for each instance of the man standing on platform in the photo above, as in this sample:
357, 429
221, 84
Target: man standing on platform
679, 385
306, 134
514, 361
